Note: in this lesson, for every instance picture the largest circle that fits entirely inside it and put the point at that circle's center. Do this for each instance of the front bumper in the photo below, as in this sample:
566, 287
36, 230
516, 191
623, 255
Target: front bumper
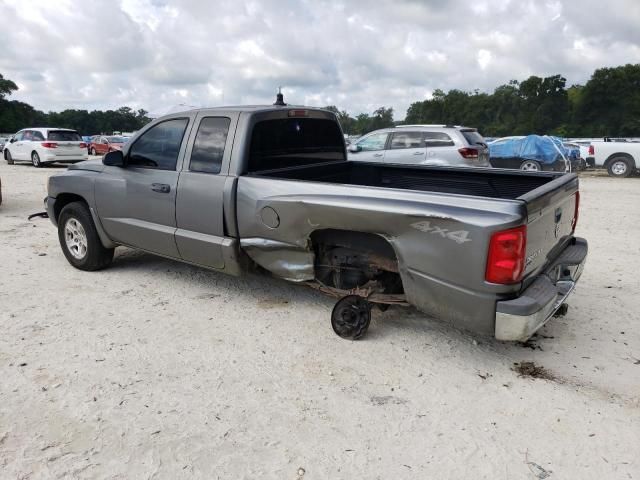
520, 318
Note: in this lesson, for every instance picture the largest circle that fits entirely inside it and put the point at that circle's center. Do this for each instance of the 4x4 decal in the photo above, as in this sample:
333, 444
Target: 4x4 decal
458, 236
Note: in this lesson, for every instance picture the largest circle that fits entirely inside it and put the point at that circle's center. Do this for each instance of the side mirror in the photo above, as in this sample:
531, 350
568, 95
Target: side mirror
114, 158
355, 148
13, 139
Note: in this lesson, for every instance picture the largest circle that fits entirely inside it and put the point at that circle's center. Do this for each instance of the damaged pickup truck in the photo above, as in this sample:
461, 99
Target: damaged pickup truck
269, 188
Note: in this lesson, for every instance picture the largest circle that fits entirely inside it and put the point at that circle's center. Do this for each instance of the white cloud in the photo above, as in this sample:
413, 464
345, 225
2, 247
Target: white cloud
155, 54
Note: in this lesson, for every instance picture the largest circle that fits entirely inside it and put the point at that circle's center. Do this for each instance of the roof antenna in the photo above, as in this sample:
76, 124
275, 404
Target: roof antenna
280, 98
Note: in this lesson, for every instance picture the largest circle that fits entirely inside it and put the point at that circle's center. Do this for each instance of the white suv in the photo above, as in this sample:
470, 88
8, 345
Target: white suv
45, 145
445, 145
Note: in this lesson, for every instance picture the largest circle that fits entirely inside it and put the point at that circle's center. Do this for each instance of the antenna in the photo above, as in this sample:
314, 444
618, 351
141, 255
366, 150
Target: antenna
280, 98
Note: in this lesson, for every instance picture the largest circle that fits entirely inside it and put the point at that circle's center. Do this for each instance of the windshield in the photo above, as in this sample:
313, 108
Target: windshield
63, 136
116, 139
289, 142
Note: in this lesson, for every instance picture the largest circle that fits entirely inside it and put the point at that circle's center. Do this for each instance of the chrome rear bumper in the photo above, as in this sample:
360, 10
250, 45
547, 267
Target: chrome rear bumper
518, 319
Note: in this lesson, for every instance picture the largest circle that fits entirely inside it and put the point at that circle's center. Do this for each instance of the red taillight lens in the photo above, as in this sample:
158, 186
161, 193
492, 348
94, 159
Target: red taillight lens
505, 262
83, 145
468, 152
592, 151
298, 113
574, 222
49, 144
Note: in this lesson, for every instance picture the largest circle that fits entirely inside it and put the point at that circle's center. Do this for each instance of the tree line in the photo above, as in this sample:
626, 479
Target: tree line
608, 104
15, 115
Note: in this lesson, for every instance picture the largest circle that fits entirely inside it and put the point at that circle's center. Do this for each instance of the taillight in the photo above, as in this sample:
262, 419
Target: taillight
505, 262
49, 144
592, 150
83, 145
574, 222
468, 152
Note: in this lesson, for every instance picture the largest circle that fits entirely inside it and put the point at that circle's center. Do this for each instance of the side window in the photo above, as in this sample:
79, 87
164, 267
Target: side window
407, 140
159, 146
437, 139
19, 136
373, 142
208, 147
37, 137
27, 135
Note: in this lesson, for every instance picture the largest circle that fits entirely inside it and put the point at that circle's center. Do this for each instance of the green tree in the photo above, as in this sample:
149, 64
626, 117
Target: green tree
7, 87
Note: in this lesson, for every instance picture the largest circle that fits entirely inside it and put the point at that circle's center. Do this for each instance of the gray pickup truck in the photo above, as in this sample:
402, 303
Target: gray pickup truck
269, 188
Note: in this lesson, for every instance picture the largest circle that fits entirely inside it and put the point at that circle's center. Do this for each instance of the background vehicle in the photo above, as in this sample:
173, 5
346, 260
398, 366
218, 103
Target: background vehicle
574, 154
621, 159
3, 141
45, 145
102, 144
270, 187
423, 145
531, 152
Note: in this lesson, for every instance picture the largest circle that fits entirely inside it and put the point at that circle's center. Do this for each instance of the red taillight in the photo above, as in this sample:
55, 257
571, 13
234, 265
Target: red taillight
592, 151
83, 145
468, 152
49, 144
298, 113
574, 222
505, 262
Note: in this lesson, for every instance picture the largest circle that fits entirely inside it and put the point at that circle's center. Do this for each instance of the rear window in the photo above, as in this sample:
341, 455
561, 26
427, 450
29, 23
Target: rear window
473, 137
289, 142
63, 136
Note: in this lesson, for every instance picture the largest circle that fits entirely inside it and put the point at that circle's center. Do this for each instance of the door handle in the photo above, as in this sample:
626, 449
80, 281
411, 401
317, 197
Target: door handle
377, 154
418, 153
160, 187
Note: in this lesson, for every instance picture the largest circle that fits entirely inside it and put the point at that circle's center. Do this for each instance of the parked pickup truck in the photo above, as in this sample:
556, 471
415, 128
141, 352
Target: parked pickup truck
621, 159
270, 189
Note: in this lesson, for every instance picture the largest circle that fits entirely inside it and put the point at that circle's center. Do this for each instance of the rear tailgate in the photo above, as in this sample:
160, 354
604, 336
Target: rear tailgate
551, 218
68, 143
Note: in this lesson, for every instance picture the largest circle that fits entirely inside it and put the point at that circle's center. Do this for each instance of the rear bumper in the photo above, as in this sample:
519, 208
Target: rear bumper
518, 319
63, 159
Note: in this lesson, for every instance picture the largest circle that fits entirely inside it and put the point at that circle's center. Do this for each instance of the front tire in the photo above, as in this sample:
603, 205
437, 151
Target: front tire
530, 166
35, 159
8, 157
79, 239
92, 151
620, 167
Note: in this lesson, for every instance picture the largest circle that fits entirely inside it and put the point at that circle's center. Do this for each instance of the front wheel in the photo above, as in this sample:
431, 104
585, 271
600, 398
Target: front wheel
79, 239
530, 166
92, 151
620, 167
8, 157
35, 159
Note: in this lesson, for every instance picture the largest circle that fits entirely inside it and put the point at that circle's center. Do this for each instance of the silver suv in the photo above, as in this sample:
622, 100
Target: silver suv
423, 145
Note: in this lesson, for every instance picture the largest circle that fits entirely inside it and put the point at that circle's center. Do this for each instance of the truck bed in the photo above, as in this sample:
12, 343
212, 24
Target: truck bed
491, 183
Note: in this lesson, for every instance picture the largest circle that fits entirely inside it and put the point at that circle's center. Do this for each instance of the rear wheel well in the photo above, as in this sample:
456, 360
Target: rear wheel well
347, 259
64, 199
614, 156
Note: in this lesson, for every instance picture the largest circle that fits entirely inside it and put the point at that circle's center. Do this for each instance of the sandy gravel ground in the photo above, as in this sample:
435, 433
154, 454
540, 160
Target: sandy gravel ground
155, 369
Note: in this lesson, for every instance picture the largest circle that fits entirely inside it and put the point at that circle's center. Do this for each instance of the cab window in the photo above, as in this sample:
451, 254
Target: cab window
208, 148
159, 146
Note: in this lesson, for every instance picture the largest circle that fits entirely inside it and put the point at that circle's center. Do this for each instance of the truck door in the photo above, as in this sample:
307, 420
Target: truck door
407, 148
199, 205
137, 202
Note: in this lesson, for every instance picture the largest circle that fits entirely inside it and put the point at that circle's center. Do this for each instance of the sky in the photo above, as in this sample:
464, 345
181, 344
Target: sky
355, 54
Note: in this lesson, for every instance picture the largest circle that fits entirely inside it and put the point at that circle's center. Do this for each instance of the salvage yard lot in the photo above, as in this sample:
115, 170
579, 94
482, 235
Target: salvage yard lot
153, 368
